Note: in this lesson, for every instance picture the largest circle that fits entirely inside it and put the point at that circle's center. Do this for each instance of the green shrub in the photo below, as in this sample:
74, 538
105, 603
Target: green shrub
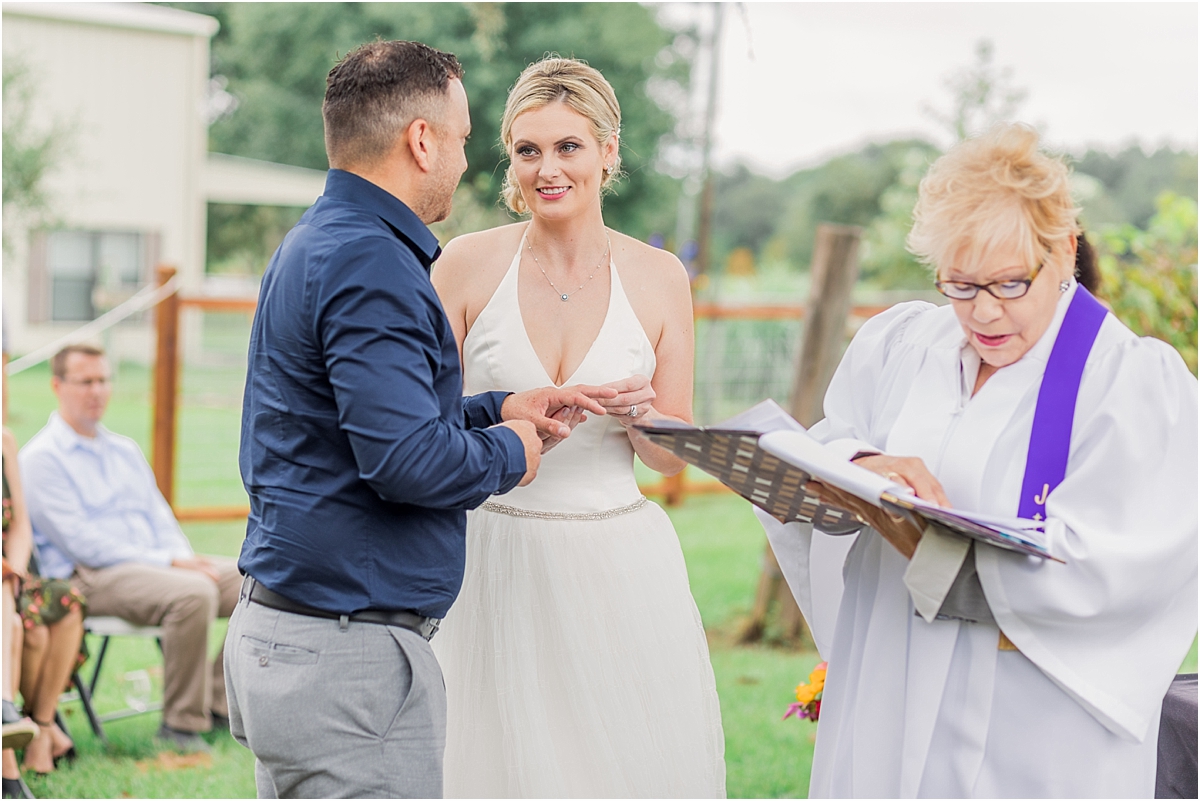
1149, 276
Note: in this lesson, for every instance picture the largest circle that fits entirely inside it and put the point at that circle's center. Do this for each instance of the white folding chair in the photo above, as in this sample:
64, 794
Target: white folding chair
106, 628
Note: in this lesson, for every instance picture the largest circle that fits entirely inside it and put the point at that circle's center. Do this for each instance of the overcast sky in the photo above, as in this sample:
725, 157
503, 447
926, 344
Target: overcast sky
802, 81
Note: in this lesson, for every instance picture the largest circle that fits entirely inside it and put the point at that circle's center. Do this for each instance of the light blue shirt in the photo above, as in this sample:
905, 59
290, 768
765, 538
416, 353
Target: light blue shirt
94, 502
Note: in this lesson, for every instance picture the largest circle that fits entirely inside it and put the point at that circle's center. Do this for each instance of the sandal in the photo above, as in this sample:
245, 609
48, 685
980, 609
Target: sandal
16, 788
70, 755
18, 731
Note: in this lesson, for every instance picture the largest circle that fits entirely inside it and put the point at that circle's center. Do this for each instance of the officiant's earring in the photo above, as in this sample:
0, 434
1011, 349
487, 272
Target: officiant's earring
1064, 285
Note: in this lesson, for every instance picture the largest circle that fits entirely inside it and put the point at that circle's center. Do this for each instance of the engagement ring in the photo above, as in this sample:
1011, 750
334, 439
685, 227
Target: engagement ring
632, 411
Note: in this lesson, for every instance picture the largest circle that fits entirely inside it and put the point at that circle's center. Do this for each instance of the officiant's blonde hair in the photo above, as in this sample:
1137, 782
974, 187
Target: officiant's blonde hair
997, 189
580, 88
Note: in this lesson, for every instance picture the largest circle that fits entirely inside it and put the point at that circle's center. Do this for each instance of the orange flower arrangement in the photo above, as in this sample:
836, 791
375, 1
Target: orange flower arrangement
808, 695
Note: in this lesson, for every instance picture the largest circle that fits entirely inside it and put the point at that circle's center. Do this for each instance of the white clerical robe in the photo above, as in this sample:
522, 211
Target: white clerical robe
934, 709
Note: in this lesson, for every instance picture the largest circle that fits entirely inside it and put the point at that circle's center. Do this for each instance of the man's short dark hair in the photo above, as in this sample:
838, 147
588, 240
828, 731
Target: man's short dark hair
375, 92
58, 364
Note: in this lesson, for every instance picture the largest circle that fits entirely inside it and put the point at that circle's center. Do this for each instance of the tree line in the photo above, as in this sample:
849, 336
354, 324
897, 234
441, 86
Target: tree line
876, 187
269, 62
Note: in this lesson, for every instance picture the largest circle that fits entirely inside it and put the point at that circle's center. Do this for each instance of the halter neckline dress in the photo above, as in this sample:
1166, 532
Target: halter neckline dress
575, 661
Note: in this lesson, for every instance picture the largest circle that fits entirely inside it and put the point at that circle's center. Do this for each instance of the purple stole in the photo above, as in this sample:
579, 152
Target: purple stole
1050, 439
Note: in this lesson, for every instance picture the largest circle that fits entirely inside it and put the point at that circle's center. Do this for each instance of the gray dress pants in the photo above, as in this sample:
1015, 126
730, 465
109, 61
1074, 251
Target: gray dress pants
332, 711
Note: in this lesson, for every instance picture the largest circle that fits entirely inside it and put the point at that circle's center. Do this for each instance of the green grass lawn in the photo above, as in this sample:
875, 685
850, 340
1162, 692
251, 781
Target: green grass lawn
766, 757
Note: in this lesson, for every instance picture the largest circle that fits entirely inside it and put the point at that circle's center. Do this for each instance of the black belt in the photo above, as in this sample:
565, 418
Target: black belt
257, 593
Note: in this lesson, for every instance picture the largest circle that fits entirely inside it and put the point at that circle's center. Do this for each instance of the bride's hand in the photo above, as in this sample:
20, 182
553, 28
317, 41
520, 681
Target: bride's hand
569, 415
633, 402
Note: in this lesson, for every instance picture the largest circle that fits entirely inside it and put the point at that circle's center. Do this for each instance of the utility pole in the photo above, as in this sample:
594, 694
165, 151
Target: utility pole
697, 132
704, 234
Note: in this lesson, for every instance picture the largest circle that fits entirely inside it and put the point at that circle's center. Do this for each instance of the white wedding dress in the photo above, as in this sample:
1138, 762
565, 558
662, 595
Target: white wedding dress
575, 661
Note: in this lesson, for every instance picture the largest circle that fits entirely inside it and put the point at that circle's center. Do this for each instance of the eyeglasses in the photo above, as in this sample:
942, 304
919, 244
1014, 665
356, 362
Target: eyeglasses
88, 383
1001, 290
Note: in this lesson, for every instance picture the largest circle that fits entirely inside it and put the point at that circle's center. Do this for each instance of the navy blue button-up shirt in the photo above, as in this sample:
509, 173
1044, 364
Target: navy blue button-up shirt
358, 450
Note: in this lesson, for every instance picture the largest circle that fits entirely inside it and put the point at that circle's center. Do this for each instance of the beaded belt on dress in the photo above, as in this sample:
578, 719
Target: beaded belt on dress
513, 511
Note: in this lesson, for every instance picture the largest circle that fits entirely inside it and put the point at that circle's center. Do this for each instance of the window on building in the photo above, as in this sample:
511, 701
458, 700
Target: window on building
85, 269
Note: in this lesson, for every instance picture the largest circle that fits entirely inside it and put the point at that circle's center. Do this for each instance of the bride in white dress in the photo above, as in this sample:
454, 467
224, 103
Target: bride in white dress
574, 658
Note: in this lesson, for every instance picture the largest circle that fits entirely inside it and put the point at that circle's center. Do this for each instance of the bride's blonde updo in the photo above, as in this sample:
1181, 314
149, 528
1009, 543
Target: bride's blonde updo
582, 89
990, 191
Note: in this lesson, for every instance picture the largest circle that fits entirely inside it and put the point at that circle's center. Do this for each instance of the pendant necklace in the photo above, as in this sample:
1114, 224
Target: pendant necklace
565, 296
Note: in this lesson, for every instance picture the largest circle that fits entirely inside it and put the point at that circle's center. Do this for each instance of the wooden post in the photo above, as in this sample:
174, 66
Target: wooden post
834, 273
674, 489
768, 587
166, 388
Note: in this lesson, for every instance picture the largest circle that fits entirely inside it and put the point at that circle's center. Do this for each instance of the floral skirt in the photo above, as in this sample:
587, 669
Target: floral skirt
44, 601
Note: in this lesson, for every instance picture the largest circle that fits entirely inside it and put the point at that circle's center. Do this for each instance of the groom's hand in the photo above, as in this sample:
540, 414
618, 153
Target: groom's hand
533, 447
539, 406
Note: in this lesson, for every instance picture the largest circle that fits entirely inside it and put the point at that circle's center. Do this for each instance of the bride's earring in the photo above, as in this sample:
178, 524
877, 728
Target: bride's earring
608, 169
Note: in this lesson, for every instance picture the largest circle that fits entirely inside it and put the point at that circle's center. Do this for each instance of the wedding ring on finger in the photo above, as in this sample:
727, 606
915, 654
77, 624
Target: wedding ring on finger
891, 475
632, 411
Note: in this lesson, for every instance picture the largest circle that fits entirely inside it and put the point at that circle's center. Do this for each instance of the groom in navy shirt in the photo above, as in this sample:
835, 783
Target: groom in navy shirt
360, 454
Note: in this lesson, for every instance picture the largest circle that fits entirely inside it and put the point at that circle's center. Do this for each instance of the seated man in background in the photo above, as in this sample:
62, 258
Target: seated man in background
99, 518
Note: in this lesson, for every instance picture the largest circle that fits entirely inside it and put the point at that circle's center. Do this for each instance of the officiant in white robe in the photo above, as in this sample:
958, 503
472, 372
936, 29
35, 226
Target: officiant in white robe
1055, 688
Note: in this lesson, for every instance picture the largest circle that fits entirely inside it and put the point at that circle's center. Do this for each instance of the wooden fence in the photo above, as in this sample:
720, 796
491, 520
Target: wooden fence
165, 413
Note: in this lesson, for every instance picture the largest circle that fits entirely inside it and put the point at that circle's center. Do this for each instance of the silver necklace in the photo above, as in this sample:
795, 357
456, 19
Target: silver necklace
565, 296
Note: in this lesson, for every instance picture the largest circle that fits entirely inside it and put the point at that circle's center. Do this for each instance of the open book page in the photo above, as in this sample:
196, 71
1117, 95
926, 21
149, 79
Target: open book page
800, 449
1018, 524
761, 418
1021, 534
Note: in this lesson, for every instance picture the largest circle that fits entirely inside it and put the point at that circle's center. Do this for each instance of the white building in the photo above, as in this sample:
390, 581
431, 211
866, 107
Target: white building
129, 82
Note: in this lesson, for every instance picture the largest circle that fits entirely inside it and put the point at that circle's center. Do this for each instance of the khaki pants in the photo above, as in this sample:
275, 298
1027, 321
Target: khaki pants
184, 603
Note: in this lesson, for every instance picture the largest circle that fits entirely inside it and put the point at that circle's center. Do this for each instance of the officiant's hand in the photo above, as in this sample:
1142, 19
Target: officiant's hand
909, 471
533, 447
633, 401
539, 407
